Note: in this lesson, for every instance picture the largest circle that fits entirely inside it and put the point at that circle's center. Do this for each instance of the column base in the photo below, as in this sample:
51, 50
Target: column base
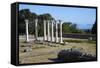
26, 41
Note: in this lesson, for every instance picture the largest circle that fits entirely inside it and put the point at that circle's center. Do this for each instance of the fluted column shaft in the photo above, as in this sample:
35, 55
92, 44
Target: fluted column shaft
27, 35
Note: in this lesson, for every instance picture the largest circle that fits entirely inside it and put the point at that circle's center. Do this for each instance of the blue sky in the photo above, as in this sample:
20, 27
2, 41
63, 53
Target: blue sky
83, 17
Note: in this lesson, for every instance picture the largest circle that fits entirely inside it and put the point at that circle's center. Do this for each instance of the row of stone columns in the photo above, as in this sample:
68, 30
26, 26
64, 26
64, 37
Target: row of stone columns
46, 37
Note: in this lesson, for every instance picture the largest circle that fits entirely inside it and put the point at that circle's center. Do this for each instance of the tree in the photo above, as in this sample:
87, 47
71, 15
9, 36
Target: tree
22, 16
42, 17
26, 14
94, 28
73, 28
66, 27
69, 27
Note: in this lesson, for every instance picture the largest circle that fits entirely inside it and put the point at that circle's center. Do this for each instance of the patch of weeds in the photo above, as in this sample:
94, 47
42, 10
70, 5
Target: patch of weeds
62, 43
23, 46
90, 41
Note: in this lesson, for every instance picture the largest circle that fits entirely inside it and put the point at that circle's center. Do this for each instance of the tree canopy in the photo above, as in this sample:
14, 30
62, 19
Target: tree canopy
67, 27
94, 28
26, 14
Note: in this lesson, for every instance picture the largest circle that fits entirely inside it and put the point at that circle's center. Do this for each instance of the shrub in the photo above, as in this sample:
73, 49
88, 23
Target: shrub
71, 55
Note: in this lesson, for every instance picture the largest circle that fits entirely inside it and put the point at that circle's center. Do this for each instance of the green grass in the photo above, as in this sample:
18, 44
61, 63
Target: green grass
80, 41
89, 41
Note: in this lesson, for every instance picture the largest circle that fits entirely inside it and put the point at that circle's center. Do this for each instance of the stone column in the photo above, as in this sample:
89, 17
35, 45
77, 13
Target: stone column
52, 32
48, 36
56, 38
36, 29
44, 30
60, 31
27, 37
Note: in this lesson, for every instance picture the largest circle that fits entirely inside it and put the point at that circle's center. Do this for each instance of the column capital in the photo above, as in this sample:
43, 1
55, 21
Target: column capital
36, 20
26, 20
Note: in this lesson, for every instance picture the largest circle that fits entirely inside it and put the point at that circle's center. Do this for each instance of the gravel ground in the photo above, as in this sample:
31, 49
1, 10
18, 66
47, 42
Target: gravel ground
43, 53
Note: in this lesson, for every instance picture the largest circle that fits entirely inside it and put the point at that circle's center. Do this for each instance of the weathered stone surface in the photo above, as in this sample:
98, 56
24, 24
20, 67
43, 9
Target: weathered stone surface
65, 43
27, 50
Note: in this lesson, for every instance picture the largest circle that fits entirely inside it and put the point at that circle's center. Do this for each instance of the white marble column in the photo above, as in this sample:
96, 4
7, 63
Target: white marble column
44, 30
60, 31
52, 32
48, 27
36, 29
27, 35
56, 25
